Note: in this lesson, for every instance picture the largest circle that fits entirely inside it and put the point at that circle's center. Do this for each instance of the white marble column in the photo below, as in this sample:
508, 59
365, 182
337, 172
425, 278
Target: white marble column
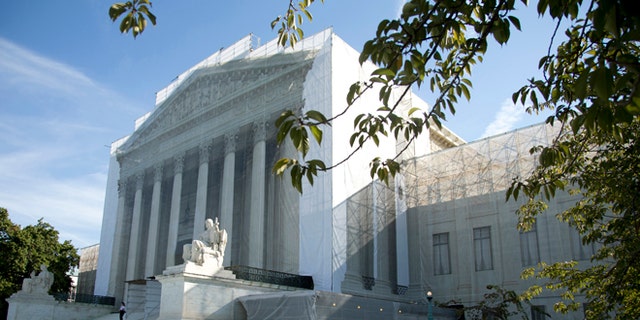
402, 239
256, 220
132, 258
154, 218
374, 229
382, 254
174, 218
116, 281
201, 192
226, 198
289, 218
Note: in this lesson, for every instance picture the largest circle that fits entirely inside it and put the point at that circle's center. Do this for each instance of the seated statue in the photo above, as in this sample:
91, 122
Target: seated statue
211, 244
40, 283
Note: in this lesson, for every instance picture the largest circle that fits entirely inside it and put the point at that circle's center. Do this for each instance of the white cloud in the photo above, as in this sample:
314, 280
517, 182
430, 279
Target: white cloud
53, 161
506, 119
40, 181
25, 67
72, 205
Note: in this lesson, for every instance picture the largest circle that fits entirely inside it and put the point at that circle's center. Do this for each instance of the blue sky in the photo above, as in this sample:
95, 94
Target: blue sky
70, 84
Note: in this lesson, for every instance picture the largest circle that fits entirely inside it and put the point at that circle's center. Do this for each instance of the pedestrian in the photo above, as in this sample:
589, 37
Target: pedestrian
123, 310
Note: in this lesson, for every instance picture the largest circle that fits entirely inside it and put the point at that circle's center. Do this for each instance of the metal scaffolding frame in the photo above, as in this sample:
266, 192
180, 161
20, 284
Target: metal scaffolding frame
481, 167
467, 173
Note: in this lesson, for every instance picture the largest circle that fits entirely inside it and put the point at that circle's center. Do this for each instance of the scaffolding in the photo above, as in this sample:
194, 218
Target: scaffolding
441, 187
478, 168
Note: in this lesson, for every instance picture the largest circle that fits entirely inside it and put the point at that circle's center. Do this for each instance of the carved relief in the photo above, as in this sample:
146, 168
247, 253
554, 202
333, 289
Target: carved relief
139, 180
158, 172
205, 150
122, 187
259, 131
218, 98
230, 141
178, 164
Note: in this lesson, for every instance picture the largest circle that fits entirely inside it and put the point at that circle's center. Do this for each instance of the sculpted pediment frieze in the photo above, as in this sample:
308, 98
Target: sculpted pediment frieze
217, 88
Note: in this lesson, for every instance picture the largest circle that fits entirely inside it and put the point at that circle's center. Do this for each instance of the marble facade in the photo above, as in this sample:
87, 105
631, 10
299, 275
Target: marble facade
206, 151
166, 167
461, 233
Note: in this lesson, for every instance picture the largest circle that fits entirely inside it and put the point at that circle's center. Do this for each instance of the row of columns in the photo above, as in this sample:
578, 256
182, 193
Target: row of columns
256, 220
376, 249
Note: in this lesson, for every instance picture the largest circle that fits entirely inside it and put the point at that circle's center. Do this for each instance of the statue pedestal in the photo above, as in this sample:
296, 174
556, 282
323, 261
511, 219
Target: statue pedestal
35, 306
192, 296
209, 267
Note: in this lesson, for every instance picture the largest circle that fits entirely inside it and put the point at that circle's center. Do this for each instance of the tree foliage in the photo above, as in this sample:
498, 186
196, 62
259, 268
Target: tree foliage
500, 303
23, 250
289, 32
591, 81
605, 171
135, 13
432, 46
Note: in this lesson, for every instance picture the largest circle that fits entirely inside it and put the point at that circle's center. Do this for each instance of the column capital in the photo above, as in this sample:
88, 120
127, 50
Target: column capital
122, 187
139, 180
230, 141
259, 130
178, 164
157, 172
205, 150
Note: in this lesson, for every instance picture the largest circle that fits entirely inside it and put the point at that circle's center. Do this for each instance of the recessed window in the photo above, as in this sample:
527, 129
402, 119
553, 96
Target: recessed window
580, 250
538, 313
529, 251
441, 261
482, 248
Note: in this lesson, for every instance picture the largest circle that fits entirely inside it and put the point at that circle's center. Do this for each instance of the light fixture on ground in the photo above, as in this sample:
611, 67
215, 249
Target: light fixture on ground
429, 298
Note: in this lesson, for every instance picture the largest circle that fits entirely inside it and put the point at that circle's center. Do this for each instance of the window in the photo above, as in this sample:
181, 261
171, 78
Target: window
441, 262
538, 313
580, 251
482, 248
529, 252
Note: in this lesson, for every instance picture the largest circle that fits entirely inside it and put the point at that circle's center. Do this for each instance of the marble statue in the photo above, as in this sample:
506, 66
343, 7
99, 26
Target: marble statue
210, 245
40, 283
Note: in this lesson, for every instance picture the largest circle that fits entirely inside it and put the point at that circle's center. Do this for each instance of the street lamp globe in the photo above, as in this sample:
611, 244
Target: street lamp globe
429, 297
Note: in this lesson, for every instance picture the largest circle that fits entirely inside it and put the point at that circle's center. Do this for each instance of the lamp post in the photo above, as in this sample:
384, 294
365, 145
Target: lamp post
430, 312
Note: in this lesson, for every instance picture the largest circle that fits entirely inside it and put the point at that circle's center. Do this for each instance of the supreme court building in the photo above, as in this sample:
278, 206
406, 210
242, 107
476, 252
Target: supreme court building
207, 148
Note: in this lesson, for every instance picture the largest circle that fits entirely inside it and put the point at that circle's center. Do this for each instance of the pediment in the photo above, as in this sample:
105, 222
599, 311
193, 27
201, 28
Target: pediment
214, 89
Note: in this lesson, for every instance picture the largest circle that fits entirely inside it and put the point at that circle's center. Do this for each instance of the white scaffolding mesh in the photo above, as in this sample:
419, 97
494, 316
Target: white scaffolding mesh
438, 189
480, 167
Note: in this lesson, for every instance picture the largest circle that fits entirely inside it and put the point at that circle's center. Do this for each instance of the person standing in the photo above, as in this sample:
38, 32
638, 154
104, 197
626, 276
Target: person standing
123, 310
